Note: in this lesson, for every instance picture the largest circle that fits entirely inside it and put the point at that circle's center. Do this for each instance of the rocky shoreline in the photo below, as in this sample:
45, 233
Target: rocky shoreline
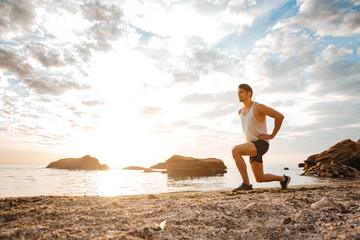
340, 161
328, 211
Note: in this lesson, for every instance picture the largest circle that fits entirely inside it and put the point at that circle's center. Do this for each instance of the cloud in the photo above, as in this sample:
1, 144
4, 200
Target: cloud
210, 20
3, 81
277, 62
202, 61
11, 103
334, 70
332, 53
55, 86
285, 103
199, 98
13, 62
150, 110
221, 98
16, 15
180, 123
329, 116
291, 59
232, 13
47, 56
221, 103
84, 50
339, 78
277, 55
197, 127
332, 108
30, 115
334, 18
185, 76
207, 59
92, 103
107, 25
98, 12
79, 114
218, 112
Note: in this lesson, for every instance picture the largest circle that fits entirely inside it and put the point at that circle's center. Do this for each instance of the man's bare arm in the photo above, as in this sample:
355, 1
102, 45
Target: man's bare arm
278, 119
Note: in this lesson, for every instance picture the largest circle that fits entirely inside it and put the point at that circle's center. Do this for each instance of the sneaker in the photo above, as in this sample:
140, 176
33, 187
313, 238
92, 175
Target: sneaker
284, 184
243, 187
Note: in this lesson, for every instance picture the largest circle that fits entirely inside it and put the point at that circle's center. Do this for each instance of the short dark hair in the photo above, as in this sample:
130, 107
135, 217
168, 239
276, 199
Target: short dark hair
247, 88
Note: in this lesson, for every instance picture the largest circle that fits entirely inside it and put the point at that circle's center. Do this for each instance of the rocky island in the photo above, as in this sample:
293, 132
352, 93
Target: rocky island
85, 163
179, 165
189, 166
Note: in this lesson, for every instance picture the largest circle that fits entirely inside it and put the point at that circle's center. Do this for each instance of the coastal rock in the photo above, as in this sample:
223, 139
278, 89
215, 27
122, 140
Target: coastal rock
346, 152
85, 163
189, 166
159, 166
332, 170
340, 160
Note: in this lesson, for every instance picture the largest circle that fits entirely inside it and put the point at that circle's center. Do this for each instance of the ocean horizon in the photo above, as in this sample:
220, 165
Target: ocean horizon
23, 180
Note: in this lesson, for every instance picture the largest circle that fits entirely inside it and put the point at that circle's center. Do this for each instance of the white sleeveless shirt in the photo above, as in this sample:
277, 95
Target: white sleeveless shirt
252, 128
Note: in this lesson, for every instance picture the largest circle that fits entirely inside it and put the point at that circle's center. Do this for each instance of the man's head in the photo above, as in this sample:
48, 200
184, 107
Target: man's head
244, 87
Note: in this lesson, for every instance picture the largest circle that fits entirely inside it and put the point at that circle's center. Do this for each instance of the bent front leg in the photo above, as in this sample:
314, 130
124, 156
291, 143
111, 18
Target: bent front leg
246, 149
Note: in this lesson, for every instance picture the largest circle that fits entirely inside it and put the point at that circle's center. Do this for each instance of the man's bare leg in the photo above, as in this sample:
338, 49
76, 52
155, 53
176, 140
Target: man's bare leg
258, 171
246, 149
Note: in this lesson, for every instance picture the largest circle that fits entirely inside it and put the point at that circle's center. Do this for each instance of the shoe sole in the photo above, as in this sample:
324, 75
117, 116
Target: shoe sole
240, 190
287, 183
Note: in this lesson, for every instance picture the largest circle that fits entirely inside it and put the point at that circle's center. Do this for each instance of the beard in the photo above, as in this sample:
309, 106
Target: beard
242, 99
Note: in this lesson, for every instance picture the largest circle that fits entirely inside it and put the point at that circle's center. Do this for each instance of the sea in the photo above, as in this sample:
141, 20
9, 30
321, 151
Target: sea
20, 180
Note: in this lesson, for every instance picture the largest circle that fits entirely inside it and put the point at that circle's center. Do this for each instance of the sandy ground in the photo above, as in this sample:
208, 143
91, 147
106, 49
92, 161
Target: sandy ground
258, 214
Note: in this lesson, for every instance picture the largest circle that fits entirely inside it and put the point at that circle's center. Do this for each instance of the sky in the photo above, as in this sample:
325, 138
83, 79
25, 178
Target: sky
133, 82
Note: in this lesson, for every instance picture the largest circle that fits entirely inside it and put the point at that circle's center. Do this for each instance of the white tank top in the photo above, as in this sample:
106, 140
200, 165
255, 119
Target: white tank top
252, 128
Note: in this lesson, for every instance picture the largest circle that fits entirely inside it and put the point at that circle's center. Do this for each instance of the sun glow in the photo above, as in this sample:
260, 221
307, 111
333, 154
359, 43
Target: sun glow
122, 137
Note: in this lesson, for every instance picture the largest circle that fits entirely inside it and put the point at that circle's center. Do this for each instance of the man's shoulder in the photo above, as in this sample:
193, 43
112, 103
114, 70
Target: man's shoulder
259, 107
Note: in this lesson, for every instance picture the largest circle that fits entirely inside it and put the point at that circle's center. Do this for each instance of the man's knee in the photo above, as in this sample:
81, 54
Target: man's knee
246, 149
236, 151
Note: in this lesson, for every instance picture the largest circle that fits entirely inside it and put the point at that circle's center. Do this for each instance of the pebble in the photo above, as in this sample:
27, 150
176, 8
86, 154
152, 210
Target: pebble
324, 203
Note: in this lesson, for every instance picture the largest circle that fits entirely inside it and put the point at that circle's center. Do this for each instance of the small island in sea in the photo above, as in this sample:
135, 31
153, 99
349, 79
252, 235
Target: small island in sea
84, 163
178, 165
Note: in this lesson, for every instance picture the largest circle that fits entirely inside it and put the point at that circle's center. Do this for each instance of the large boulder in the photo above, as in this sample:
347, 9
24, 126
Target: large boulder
85, 163
189, 166
340, 160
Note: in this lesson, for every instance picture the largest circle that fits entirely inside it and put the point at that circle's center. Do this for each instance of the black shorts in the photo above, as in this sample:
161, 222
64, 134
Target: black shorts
262, 147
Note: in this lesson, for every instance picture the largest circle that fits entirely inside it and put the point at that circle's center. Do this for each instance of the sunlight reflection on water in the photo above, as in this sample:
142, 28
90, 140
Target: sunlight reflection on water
33, 180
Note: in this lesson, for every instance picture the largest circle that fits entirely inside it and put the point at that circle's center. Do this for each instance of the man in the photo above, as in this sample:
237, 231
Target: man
253, 120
